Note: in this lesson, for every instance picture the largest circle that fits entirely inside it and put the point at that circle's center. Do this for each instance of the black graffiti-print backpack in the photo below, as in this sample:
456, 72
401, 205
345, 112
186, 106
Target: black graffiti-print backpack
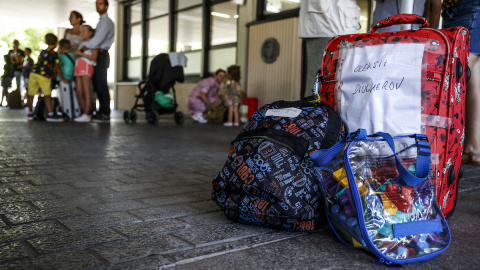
268, 179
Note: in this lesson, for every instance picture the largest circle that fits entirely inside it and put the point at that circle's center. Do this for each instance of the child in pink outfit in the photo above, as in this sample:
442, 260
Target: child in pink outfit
83, 73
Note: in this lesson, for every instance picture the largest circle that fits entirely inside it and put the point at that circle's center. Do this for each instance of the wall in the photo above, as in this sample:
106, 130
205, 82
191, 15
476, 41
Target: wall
246, 14
125, 95
280, 80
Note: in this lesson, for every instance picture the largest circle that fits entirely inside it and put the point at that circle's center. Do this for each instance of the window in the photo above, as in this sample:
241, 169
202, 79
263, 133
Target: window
223, 50
158, 8
204, 30
135, 41
181, 4
224, 23
158, 36
221, 58
189, 39
189, 30
136, 13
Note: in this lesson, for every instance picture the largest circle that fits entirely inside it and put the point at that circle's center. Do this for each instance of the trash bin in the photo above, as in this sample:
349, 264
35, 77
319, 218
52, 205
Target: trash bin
252, 104
243, 113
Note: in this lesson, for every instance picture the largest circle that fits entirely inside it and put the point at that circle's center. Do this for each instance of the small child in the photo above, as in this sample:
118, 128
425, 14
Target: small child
83, 72
67, 61
6, 77
41, 78
27, 68
233, 95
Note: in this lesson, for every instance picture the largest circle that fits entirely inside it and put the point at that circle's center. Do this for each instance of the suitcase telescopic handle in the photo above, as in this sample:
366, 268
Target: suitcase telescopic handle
401, 19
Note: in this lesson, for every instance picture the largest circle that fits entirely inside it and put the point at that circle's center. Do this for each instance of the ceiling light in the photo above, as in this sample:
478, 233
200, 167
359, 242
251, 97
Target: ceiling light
220, 15
236, 16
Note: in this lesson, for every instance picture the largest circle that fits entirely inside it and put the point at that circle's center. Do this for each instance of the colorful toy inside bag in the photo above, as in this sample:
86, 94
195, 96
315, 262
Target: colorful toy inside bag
379, 196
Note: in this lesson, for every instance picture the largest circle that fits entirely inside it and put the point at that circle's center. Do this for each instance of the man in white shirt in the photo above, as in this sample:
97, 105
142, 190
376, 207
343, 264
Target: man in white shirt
103, 40
320, 20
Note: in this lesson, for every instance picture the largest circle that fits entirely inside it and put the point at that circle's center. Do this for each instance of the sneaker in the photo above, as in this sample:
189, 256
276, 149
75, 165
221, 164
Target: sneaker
199, 118
228, 124
54, 118
82, 118
101, 118
31, 116
235, 124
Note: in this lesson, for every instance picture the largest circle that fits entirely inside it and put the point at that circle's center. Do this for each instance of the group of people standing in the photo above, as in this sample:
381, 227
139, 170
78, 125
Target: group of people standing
15, 67
90, 47
82, 57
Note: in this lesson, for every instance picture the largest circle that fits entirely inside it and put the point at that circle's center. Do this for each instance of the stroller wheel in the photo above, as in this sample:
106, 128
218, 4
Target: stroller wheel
126, 117
152, 117
179, 118
133, 117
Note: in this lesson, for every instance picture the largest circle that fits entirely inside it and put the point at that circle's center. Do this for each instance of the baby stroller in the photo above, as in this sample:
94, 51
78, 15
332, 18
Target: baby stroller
162, 77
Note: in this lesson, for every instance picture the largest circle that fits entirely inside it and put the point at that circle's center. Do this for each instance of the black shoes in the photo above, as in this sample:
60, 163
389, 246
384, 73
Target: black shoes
101, 118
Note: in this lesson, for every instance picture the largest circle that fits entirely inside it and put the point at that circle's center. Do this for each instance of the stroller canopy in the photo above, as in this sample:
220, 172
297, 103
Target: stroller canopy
162, 75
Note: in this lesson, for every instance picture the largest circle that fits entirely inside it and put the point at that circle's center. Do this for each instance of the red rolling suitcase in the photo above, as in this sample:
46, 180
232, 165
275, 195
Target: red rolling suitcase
353, 75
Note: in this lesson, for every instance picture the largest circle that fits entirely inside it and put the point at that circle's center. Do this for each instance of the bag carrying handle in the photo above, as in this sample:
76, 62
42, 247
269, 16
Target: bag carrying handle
323, 157
401, 19
423, 159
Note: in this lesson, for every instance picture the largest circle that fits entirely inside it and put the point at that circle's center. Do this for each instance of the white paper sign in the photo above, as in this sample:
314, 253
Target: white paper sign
285, 112
380, 88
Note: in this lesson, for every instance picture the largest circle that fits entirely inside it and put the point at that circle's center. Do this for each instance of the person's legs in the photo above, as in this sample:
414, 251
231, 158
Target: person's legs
472, 111
30, 102
33, 87
196, 106
230, 114
4, 95
230, 110
87, 82
313, 61
100, 82
48, 103
6, 83
45, 84
80, 92
235, 114
18, 79
467, 14
25, 82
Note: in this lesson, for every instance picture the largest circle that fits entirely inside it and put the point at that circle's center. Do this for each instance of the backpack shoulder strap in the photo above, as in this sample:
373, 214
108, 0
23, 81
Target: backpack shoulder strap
71, 59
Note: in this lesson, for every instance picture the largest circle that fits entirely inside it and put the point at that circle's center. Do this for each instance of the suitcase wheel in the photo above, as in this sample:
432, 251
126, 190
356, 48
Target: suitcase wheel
459, 70
451, 176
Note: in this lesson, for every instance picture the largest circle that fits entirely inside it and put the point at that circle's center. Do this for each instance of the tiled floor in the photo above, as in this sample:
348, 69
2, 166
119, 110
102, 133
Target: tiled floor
118, 196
